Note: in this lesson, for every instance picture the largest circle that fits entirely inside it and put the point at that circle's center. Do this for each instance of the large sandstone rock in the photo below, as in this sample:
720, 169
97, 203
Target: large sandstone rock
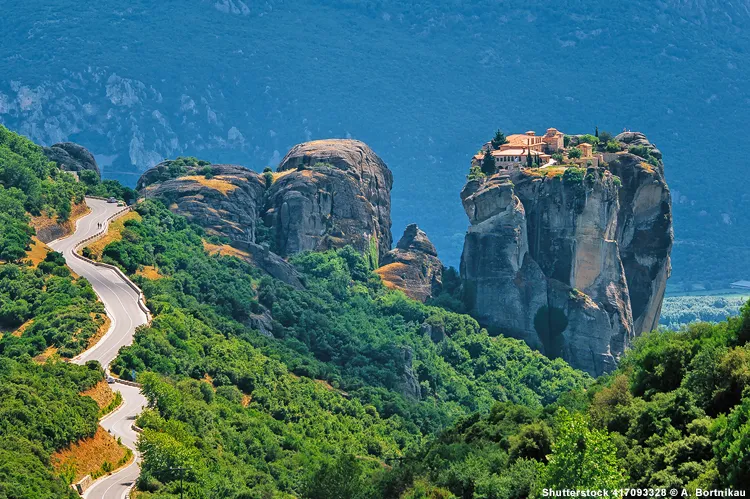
270, 262
413, 266
71, 157
645, 236
326, 194
575, 269
336, 192
225, 202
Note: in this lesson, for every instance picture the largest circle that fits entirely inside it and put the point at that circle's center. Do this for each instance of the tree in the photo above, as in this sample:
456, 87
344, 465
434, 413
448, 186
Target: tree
529, 159
499, 139
605, 137
488, 163
88, 177
588, 139
574, 153
596, 133
475, 173
339, 479
612, 146
582, 458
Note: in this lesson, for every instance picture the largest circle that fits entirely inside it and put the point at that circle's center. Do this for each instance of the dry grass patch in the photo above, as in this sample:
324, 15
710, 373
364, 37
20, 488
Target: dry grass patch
37, 253
91, 455
219, 183
550, 171
114, 233
103, 328
46, 355
19, 332
647, 167
101, 393
44, 221
391, 275
278, 175
225, 250
149, 272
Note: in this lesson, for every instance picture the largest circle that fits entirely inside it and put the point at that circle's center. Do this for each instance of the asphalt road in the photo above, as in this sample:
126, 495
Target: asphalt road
121, 303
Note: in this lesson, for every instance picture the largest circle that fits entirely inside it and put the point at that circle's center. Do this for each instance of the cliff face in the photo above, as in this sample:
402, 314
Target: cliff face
413, 265
576, 266
336, 192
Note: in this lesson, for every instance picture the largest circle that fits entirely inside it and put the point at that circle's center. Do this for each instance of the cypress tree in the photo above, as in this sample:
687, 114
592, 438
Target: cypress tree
488, 163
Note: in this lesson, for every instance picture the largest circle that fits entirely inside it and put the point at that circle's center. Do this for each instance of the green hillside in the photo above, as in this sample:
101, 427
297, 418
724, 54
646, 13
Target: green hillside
676, 414
43, 310
336, 379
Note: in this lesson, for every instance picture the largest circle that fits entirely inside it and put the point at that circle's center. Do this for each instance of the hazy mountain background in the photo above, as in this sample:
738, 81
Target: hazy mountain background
423, 83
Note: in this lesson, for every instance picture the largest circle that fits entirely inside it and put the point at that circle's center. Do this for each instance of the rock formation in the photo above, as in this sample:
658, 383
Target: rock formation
223, 199
413, 266
325, 194
575, 265
331, 193
71, 157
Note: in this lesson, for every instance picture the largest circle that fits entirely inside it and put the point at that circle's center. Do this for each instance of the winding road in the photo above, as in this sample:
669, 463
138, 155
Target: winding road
121, 304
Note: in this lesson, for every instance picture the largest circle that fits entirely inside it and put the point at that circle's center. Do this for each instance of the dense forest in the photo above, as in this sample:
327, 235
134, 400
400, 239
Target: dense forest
676, 414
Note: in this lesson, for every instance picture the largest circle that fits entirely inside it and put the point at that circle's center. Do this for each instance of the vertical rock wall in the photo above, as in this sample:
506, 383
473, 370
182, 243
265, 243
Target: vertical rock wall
574, 267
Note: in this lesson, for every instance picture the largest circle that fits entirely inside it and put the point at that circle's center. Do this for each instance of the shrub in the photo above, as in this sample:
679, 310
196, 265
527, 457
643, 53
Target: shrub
475, 173
605, 137
612, 146
588, 139
574, 153
573, 175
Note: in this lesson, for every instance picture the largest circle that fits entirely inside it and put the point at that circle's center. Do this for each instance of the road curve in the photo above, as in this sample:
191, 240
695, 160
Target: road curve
121, 304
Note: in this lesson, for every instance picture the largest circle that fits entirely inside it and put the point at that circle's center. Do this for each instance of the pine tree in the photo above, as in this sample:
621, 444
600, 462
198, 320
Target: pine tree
499, 139
529, 160
596, 134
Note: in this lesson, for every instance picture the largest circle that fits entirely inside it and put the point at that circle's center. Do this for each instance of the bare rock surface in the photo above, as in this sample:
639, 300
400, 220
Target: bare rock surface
331, 193
413, 266
223, 199
72, 157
